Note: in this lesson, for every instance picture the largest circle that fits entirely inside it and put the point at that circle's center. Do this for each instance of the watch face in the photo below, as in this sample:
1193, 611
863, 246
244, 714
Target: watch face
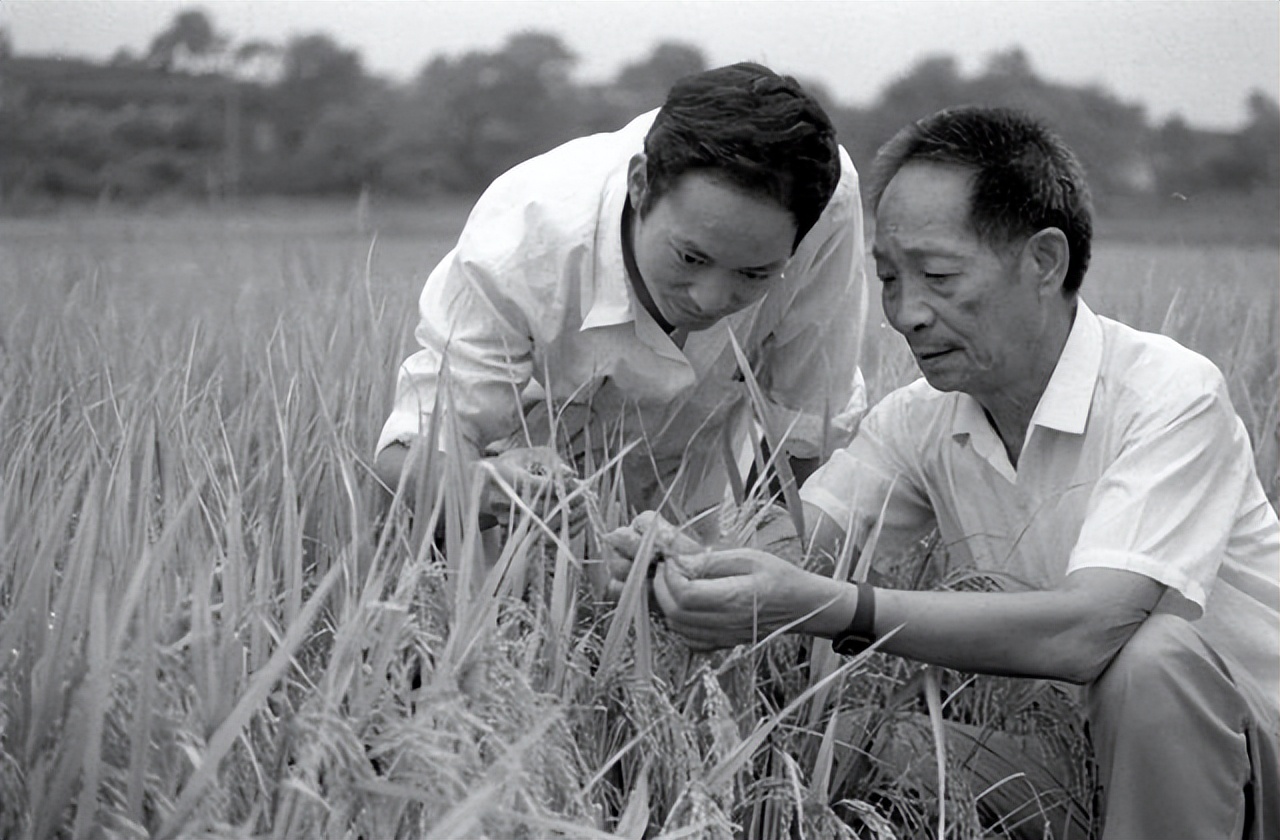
850, 644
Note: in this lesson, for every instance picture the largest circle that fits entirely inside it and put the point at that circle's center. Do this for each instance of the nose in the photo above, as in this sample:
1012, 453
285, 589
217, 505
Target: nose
717, 292
906, 306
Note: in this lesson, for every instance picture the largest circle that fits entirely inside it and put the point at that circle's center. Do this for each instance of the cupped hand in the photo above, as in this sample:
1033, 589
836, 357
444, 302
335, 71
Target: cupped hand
668, 540
718, 599
539, 476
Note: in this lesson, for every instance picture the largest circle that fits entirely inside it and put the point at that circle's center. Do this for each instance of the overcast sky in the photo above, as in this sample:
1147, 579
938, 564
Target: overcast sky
1200, 58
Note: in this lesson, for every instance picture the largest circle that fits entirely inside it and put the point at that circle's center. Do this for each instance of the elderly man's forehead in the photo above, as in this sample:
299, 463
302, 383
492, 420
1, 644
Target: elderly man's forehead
926, 193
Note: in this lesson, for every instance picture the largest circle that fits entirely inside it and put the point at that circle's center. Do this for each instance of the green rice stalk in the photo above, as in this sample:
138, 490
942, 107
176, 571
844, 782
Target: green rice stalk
790, 493
256, 692
635, 817
933, 700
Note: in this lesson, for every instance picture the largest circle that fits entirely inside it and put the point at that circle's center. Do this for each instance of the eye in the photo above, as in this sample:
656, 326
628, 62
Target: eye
937, 277
688, 258
886, 277
756, 276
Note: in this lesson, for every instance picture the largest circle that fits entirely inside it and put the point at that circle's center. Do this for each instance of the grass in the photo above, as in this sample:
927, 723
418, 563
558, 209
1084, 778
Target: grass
206, 630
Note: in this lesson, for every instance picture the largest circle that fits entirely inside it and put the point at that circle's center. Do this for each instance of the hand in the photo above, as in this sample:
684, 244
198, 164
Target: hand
538, 475
668, 540
723, 598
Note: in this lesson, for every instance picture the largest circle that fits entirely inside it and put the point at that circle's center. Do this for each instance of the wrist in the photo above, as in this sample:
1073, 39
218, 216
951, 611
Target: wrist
860, 634
841, 599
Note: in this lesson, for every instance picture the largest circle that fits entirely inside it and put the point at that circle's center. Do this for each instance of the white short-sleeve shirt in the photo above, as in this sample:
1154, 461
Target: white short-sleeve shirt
1135, 459
534, 302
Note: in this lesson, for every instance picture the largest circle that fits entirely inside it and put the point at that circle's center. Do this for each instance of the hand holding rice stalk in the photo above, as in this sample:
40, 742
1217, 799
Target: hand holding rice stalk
540, 480
669, 542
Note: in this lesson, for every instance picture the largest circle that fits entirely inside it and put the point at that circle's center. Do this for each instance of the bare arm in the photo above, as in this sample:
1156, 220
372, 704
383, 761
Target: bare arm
1070, 633
537, 474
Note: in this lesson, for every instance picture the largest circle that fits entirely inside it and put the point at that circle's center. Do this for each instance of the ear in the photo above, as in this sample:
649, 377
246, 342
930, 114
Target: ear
637, 181
1046, 256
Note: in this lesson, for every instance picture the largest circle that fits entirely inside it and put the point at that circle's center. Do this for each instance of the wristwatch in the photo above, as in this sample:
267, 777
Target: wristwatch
860, 634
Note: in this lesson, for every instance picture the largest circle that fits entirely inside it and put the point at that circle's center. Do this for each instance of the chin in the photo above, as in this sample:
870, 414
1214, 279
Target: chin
942, 382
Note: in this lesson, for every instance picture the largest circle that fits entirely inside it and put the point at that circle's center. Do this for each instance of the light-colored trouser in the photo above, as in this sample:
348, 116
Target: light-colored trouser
1182, 752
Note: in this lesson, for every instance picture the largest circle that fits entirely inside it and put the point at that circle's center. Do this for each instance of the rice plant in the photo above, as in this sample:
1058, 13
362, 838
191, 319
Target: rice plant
214, 624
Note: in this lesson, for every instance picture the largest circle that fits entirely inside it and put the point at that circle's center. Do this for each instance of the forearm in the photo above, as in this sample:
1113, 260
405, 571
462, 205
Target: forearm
1025, 634
403, 469
389, 466
1061, 634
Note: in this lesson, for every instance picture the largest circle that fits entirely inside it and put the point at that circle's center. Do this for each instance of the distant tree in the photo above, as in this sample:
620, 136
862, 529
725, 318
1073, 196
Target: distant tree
315, 72
469, 119
543, 56
189, 43
1259, 142
316, 62
6, 44
258, 61
340, 153
1111, 137
932, 83
1013, 65
649, 79
123, 57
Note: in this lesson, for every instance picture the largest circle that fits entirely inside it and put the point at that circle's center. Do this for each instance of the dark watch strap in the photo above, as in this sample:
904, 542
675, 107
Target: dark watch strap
860, 634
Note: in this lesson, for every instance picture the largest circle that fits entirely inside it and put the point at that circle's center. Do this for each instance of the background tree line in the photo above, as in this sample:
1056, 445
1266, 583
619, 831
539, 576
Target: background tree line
203, 116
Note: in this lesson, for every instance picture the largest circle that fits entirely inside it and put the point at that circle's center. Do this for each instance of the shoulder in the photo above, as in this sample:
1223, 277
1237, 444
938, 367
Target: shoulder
1150, 385
843, 213
910, 418
560, 173
847, 198
1154, 370
553, 200
915, 402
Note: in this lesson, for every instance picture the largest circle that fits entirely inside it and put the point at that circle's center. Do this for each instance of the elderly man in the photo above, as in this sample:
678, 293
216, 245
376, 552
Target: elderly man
595, 294
1104, 466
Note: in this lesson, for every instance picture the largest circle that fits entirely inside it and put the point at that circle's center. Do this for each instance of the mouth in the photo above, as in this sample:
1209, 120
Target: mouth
930, 355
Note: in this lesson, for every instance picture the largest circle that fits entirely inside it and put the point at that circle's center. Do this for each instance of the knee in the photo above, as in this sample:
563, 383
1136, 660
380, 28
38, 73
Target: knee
1157, 647
1164, 659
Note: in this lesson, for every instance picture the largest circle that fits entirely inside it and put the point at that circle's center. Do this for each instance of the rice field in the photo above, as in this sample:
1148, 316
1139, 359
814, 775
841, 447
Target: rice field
209, 629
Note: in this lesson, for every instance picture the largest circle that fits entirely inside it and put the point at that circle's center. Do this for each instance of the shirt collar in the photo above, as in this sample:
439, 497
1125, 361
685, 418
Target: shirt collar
609, 301
1067, 398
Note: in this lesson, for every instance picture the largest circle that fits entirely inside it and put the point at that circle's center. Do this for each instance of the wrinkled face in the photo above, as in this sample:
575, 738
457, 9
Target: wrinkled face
973, 316
706, 249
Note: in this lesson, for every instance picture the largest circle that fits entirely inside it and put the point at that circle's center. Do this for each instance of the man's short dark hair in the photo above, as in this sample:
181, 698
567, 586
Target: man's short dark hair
1025, 178
757, 130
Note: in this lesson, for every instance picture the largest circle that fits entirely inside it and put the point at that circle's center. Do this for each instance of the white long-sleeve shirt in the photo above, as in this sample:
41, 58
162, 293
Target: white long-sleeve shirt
535, 317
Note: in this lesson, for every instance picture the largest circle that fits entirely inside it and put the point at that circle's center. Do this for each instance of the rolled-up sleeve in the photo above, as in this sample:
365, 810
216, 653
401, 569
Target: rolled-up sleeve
472, 337
1166, 506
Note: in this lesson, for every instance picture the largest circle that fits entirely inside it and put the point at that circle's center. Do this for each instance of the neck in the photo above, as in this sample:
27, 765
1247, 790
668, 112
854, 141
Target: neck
1009, 411
1010, 417
633, 270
